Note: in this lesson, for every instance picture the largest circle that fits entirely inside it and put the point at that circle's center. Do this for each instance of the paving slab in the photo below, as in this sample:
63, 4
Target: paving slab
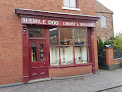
104, 79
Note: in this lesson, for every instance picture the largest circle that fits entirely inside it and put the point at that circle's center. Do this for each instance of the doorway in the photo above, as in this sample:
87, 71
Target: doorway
38, 65
37, 52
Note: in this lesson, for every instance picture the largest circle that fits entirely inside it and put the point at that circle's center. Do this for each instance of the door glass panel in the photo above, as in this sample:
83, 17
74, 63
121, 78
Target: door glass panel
41, 51
33, 51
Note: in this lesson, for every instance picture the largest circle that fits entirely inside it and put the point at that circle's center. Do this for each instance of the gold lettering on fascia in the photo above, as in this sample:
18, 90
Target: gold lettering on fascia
69, 23
56, 22
33, 21
52, 22
88, 24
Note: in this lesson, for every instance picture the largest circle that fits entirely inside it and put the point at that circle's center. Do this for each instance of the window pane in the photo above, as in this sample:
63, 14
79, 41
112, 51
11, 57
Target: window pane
88, 55
41, 49
66, 3
103, 21
73, 3
54, 56
36, 32
80, 54
66, 55
66, 36
33, 51
80, 36
53, 33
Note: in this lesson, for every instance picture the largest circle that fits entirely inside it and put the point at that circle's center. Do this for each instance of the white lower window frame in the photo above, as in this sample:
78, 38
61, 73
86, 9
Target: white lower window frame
69, 8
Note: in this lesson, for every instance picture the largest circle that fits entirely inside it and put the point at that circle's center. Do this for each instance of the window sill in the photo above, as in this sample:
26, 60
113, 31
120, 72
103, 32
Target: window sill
104, 27
69, 8
73, 65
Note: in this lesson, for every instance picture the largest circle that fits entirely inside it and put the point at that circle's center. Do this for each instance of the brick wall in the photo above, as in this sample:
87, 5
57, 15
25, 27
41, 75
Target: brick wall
11, 62
70, 71
110, 62
105, 31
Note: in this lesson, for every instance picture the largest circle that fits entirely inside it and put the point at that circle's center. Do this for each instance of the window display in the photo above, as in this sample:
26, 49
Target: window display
72, 47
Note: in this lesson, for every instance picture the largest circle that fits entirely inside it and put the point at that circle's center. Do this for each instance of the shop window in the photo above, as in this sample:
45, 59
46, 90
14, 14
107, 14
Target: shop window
54, 56
69, 3
103, 21
66, 37
66, 53
53, 33
36, 32
80, 36
80, 54
73, 47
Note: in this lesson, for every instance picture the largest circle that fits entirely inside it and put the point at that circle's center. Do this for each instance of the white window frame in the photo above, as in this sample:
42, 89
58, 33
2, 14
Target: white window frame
69, 7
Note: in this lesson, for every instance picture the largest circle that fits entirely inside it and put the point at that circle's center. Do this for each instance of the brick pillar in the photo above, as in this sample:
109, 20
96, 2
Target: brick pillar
109, 55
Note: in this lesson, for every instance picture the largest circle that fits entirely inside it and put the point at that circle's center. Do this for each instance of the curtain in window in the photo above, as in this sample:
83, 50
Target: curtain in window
69, 3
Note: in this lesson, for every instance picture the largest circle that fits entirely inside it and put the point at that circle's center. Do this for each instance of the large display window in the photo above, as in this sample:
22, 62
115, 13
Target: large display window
69, 46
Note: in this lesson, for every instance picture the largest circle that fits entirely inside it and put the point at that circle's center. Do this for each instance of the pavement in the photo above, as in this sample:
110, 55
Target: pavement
102, 80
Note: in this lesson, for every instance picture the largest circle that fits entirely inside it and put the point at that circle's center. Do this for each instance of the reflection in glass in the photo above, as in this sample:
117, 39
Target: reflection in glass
33, 51
80, 36
66, 55
66, 36
36, 32
80, 54
53, 33
73, 3
66, 3
54, 56
41, 49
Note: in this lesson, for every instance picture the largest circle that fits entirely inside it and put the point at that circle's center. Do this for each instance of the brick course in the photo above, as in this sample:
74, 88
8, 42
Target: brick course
70, 71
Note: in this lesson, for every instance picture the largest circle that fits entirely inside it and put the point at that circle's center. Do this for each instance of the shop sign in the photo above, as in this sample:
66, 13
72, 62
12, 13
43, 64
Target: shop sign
56, 22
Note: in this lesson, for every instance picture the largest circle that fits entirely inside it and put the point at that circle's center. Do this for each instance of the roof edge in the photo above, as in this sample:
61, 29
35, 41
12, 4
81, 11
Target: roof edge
21, 11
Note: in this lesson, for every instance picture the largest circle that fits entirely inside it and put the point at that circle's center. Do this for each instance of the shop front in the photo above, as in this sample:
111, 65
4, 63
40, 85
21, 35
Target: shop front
56, 44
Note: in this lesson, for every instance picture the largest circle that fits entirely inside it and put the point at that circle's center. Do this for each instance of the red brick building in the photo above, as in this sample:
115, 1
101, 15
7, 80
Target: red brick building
104, 25
46, 39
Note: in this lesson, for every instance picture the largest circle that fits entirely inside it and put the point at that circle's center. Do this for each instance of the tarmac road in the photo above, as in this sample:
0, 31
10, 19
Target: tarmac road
116, 89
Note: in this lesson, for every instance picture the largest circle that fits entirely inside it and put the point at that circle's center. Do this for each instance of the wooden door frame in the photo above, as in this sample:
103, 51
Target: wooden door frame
26, 55
45, 55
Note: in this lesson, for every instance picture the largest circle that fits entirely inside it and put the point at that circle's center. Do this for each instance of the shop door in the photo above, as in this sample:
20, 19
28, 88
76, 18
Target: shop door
38, 65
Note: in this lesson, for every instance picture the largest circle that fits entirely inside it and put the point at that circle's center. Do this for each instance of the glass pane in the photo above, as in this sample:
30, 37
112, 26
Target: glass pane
73, 3
66, 3
54, 56
88, 55
80, 36
88, 34
103, 21
53, 33
66, 37
66, 55
36, 32
80, 54
33, 51
41, 51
